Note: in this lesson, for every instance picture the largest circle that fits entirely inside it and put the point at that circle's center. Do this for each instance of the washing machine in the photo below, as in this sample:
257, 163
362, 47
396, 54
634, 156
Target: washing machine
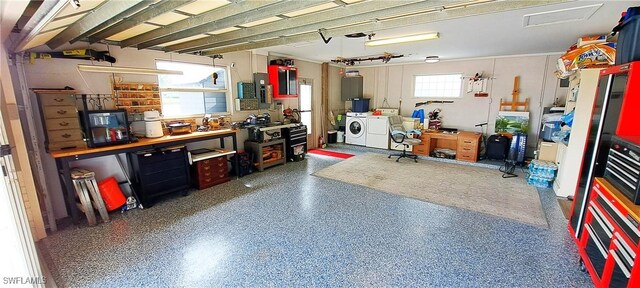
356, 128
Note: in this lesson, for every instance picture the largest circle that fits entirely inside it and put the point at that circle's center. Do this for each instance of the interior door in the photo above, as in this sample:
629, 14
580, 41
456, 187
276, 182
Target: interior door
306, 100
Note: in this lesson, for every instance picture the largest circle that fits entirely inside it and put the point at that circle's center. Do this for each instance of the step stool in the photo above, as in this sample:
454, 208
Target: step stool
87, 191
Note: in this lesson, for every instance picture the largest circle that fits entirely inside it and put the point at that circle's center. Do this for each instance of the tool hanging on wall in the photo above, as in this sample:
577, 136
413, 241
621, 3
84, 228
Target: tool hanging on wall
81, 54
478, 84
97, 101
433, 102
514, 105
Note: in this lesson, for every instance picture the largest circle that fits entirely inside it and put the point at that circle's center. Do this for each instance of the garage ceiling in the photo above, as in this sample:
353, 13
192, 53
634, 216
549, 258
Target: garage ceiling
468, 28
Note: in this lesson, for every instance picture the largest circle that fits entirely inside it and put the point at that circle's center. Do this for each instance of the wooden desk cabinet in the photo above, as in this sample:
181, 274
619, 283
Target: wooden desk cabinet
466, 144
210, 172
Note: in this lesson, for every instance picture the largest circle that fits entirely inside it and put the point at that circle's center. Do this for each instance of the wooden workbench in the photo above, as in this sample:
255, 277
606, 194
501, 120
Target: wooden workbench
65, 157
466, 144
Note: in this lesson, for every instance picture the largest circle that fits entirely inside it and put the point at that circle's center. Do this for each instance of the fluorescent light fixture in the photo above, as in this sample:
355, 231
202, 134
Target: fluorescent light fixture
126, 70
432, 59
403, 39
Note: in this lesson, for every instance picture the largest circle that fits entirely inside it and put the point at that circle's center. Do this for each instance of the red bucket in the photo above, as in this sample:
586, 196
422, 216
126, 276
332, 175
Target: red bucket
111, 193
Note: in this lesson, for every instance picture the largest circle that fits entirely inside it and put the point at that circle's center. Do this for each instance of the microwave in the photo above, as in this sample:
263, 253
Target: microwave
105, 127
623, 167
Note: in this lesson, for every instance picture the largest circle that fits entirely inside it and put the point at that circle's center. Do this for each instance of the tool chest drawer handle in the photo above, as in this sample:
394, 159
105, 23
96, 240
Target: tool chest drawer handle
62, 112
66, 135
621, 265
58, 99
63, 124
625, 245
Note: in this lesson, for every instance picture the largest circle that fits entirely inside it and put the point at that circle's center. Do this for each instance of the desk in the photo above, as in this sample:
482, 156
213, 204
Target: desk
466, 144
65, 157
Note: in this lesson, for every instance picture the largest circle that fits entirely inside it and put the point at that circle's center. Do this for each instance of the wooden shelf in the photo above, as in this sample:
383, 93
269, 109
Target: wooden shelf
259, 148
140, 106
217, 152
137, 92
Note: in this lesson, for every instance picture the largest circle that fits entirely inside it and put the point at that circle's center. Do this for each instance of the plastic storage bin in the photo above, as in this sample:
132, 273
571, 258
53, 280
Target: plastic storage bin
332, 136
111, 194
360, 105
628, 47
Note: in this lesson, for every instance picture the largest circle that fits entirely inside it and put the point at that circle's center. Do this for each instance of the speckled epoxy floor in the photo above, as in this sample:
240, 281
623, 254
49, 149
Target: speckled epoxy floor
283, 227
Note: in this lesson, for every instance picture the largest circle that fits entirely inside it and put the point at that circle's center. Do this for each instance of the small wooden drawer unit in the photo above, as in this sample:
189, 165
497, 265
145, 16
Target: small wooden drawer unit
210, 172
468, 147
423, 148
60, 119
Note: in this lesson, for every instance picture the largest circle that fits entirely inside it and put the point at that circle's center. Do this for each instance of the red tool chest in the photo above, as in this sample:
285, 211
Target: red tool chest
610, 243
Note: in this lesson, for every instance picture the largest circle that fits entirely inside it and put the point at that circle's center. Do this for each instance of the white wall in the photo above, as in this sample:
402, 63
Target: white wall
395, 83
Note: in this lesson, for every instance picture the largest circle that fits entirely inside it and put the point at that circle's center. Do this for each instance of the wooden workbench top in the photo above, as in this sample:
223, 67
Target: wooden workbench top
141, 142
447, 135
634, 209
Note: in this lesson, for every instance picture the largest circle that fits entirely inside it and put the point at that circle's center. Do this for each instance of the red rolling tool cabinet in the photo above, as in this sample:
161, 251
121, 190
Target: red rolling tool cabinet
610, 244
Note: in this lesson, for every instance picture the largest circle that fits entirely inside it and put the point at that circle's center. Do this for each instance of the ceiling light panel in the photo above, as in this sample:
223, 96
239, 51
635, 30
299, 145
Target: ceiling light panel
85, 5
62, 22
311, 9
403, 39
195, 37
167, 18
131, 32
224, 30
560, 16
202, 6
43, 38
259, 22
351, 1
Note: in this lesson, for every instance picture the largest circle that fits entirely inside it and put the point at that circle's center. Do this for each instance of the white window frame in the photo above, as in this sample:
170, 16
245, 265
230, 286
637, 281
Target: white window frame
460, 95
228, 92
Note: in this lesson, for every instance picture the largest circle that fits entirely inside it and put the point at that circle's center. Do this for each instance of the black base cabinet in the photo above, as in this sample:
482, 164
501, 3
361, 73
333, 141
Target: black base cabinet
296, 142
159, 172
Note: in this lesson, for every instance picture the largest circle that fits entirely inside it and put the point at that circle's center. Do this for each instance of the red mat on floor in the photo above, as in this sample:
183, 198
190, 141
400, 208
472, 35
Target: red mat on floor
330, 153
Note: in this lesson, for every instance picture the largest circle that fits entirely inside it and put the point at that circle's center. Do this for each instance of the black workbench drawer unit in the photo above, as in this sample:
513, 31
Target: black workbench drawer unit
158, 172
295, 136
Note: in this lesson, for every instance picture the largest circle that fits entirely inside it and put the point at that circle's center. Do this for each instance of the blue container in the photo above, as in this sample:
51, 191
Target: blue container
360, 105
628, 47
548, 129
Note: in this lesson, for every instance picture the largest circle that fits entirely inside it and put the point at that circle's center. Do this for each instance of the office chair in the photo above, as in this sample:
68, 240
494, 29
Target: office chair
401, 136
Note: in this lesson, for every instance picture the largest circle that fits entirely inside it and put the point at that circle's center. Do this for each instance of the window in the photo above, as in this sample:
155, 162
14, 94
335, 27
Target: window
199, 91
438, 86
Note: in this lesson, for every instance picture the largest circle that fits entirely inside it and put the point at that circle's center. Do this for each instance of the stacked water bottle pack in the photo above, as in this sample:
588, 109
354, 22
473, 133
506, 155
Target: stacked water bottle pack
542, 173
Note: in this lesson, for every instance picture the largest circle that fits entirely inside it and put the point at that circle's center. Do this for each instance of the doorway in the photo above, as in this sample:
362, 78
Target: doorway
305, 104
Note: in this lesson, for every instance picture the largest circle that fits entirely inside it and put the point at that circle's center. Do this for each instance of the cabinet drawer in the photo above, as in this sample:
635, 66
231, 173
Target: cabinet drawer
205, 185
60, 112
467, 156
211, 179
58, 100
467, 141
213, 172
420, 149
64, 135
62, 123
212, 161
66, 145
467, 149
